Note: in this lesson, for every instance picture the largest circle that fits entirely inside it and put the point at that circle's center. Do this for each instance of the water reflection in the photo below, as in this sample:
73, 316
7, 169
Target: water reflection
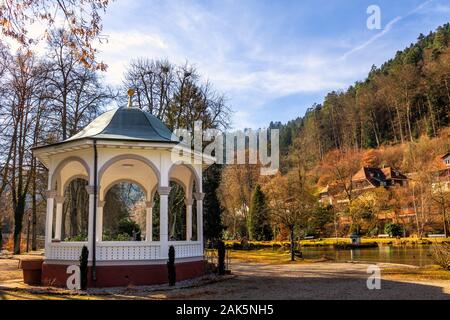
412, 255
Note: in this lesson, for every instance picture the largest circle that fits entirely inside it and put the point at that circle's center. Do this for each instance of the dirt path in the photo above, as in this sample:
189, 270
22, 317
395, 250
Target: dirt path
9, 270
313, 281
287, 281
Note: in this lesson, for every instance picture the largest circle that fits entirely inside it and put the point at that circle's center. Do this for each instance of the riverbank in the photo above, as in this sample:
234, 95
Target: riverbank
236, 244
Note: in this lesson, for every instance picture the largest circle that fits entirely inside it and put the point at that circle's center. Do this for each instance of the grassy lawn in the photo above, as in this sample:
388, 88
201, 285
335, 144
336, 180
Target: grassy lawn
332, 241
278, 256
419, 274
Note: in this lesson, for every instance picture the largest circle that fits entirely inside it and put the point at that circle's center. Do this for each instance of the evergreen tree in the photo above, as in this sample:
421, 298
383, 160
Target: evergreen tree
259, 217
213, 226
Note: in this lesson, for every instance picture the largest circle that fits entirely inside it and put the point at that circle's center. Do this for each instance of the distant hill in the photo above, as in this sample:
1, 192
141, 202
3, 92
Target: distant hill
406, 97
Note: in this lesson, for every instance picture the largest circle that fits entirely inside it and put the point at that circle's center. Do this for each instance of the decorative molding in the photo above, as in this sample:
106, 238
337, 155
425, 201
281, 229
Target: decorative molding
199, 195
100, 203
189, 201
164, 191
51, 193
90, 190
59, 199
149, 204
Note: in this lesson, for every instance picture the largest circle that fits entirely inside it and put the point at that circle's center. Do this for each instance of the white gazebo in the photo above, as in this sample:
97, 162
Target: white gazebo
122, 145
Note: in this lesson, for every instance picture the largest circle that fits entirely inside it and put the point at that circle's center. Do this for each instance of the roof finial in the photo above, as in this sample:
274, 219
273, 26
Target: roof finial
130, 93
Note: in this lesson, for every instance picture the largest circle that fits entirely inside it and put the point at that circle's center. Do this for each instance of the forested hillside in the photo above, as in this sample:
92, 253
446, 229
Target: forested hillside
406, 97
397, 117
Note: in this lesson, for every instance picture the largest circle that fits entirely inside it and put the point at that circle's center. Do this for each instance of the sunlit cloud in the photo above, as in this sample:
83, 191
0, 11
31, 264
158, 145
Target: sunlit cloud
252, 55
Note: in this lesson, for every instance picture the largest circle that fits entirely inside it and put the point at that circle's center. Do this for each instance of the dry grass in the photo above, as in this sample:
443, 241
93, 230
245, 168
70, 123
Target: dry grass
420, 274
278, 256
333, 241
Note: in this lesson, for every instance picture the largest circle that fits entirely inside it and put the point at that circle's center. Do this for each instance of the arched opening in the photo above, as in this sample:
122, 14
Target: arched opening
194, 215
177, 212
68, 170
124, 212
184, 181
75, 212
155, 217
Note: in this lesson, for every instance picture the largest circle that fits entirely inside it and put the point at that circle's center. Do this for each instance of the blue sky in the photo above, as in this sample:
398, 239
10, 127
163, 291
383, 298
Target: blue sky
272, 59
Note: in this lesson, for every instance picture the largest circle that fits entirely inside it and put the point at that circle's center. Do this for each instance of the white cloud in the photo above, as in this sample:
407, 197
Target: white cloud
235, 53
372, 39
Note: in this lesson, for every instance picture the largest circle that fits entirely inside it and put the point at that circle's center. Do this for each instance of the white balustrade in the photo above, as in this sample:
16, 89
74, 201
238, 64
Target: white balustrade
127, 251
70, 251
122, 251
187, 249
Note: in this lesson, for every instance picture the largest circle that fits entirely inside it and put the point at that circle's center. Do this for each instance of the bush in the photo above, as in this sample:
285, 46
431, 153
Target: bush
129, 227
393, 229
84, 267
441, 255
171, 266
221, 253
77, 238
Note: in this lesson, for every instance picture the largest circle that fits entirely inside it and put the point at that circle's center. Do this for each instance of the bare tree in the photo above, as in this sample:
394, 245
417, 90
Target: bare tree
80, 17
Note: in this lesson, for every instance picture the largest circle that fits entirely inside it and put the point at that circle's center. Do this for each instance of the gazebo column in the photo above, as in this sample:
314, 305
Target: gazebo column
99, 224
149, 221
164, 220
189, 202
51, 194
90, 191
199, 197
58, 219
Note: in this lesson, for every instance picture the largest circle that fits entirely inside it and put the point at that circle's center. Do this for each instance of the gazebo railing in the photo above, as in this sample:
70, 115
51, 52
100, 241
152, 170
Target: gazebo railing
67, 251
185, 249
122, 251
131, 251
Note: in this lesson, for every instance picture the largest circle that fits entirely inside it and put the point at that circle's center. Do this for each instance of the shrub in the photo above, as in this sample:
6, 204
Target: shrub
128, 226
221, 253
122, 237
171, 266
84, 267
77, 238
393, 229
441, 255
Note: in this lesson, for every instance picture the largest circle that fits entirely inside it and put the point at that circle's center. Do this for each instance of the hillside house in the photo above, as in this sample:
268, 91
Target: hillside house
370, 178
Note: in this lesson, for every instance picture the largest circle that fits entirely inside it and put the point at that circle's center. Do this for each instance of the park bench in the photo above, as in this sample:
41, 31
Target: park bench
436, 236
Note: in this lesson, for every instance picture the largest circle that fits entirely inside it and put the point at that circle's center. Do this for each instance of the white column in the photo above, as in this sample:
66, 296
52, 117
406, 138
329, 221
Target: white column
189, 203
199, 197
51, 194
164, 220
99, 230
58, 220
149, 221
90, 191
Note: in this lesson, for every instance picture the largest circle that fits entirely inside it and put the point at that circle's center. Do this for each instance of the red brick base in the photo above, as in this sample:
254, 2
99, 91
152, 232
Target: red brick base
124, 275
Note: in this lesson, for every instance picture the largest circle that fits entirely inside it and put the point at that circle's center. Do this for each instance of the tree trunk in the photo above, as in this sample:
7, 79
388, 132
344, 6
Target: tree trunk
292, 244
73, 210
18, 222
408, 111
34, 213
400, 125
430, 107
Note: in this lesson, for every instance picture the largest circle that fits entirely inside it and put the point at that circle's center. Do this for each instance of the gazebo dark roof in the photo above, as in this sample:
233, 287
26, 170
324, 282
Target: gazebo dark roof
126, 124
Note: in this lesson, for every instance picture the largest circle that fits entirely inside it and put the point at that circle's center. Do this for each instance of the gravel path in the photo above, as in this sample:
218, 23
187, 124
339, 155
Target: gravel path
312, 281
287, 281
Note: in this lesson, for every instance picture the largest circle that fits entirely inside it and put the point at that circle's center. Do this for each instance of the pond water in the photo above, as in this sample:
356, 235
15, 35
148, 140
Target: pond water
412, 255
